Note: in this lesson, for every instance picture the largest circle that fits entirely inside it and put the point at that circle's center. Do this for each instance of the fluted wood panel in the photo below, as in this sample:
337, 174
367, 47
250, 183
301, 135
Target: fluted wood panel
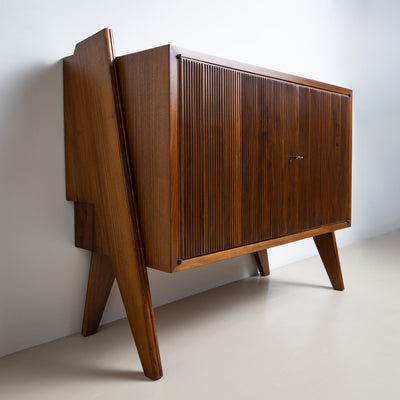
260, 158
224, 160
324, 127
211, 159
281, 114
255, 199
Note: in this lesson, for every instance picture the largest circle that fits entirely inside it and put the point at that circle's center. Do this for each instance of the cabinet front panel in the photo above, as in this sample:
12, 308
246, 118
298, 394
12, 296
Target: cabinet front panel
319, 182
211, 159
260, 158
281, 115
330, 128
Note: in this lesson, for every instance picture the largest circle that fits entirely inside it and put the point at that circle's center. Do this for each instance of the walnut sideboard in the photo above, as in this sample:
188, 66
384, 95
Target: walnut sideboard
176, 159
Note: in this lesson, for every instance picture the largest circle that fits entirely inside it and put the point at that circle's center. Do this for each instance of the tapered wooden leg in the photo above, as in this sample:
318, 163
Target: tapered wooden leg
101, 278
133, 283
262, 262
326, 245
135, 292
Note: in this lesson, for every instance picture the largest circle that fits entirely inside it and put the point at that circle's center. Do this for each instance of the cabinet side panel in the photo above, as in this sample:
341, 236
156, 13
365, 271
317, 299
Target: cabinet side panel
145, 93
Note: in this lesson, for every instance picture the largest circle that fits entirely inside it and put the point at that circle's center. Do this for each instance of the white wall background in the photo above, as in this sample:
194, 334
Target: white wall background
345, 42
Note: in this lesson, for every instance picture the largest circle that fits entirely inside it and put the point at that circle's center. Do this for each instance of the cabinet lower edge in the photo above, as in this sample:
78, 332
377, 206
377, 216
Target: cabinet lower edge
251, 248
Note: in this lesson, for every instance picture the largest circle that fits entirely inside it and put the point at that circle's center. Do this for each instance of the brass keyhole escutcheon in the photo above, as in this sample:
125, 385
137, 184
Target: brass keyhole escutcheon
297, 157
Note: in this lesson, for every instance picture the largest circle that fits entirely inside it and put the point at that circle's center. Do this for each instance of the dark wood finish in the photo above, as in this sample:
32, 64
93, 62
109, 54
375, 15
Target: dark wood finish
262, 262
175, 162
251, 248
281, 116
97, 173
148, 138
176, 159
260, 158
84, 225
243, 166
101, 279
326, 245
210, 156
239, 66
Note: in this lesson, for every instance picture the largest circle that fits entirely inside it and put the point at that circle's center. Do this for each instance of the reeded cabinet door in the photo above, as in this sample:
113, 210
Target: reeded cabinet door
329, 150
211, 165
260, 158
309, 156
279, 115
224, 162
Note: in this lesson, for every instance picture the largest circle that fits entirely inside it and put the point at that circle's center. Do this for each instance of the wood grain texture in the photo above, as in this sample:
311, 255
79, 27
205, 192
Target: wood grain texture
101, 279
97, 172
262, 262
223, 158
174, 152
211, 171
326, 245
144, 81
268, 73
84, 226
218, 159
255, 196
282, 125
253, 247
346, 132
260, 158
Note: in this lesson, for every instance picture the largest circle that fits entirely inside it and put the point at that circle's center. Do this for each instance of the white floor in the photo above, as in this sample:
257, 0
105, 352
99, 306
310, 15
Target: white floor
288, 336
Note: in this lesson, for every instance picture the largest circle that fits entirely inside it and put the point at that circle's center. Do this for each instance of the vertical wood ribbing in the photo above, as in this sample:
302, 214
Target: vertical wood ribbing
278, 157
306, 199
239, 132
345, 167
294, 169
255, 201
211, 158
329, 154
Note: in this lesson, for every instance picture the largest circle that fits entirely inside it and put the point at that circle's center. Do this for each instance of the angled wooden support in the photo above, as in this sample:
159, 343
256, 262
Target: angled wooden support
98, 180
101, 279
101, 273
326, 245
262, 262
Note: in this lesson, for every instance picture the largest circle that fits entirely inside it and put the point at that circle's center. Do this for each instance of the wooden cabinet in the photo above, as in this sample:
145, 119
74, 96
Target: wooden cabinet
176, 159
225, 156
